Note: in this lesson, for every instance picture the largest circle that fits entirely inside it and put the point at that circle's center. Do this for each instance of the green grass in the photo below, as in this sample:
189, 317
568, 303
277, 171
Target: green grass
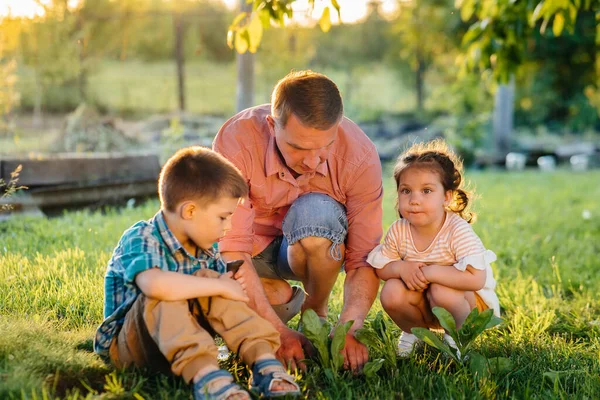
548, 274
136, 88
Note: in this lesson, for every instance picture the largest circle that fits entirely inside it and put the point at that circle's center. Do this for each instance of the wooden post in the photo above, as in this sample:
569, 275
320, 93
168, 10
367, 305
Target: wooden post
504, 104
245, 73
179, 29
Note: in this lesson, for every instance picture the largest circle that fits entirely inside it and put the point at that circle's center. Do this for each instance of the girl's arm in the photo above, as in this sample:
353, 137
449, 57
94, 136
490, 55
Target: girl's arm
172, 286
409, 271
470, 279
386, 258
391, 270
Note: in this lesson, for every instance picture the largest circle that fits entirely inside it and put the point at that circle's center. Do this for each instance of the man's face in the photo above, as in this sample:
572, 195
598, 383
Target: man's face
303, 149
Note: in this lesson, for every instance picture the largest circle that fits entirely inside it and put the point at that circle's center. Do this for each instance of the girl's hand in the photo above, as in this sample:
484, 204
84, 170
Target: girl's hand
230, 289
413, 277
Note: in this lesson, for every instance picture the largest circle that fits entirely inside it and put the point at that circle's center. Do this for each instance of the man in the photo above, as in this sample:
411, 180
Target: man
314, 205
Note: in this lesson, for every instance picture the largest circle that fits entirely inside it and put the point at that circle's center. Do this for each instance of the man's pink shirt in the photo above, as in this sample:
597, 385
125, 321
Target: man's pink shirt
351, 175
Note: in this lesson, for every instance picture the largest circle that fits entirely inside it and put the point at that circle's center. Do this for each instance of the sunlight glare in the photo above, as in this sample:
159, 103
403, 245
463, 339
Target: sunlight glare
21, 8
26, 8
352, 10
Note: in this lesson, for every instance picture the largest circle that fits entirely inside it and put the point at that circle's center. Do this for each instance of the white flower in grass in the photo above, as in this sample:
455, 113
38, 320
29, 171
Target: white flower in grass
586, 214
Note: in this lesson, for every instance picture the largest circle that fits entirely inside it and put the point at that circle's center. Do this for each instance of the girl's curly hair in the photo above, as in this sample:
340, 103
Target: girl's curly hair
436, 156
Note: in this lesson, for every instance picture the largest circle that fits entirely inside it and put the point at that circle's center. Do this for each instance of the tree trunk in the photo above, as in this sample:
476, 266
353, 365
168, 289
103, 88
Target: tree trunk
37, 102
504, 105
419, 82
82, 78
179, 59
245, 73
420, 68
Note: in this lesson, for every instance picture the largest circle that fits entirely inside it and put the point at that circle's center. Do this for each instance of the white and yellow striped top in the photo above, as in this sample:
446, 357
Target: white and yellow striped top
456, 244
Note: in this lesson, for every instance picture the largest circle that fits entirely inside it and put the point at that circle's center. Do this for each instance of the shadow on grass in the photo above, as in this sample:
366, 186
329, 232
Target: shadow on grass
86, 345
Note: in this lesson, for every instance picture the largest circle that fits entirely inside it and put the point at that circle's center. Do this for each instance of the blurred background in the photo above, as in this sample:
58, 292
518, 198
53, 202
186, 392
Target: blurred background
85, 76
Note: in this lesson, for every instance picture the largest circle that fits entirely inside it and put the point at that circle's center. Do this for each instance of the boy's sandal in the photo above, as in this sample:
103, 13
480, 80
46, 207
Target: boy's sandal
202, 392
265, 381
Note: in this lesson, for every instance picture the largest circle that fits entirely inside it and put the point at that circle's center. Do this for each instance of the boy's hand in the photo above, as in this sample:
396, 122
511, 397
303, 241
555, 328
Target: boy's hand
230, 289
239, 278
413, 277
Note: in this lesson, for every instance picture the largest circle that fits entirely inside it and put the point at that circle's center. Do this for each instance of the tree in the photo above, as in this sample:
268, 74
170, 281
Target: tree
9, 96
49, 46
426, 29
554, 77
246, 30
497, 38
501, 31
64, 44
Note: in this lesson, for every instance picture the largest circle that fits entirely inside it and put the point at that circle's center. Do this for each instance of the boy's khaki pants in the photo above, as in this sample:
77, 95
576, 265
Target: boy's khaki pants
177, 335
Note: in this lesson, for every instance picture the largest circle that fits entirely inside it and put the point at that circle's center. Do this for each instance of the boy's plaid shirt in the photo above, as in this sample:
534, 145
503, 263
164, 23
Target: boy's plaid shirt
145, 245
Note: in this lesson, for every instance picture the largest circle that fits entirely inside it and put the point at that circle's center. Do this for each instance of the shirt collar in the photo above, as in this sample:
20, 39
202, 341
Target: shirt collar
274, 165
173, 244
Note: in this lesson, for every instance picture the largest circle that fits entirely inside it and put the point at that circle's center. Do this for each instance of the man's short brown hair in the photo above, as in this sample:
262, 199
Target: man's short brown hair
198, 174
312, 97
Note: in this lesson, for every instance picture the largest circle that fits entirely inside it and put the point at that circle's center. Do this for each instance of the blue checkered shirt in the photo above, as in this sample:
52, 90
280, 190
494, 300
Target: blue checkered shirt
145, 245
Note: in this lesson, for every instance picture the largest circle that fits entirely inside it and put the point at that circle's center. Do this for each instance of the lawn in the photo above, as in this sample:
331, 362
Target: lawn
545, 229
136, 88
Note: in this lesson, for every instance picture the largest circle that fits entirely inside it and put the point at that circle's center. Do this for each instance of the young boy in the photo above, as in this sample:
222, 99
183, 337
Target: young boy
167, 292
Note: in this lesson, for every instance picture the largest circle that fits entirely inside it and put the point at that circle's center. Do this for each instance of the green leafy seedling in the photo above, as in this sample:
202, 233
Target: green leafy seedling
328, 347
379, 339
317, 332
464, 337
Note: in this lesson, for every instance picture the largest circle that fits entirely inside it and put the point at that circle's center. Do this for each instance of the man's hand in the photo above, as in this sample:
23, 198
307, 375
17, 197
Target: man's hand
412, 276
355, 354
293, 347
230, 289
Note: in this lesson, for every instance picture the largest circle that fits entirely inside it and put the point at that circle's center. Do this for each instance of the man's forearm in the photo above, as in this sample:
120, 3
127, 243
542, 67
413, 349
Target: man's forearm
254, 289
360, 290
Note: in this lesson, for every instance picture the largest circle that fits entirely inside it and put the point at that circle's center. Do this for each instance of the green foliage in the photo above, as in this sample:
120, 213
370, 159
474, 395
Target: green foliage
329, 348
354, 44
171, 139
423, 35
500, 31
377, 335
9, 188
246, 30
51, 279
464, 337
9, 97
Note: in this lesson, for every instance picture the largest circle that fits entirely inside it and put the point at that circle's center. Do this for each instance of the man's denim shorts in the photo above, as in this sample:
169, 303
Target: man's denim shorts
311, 215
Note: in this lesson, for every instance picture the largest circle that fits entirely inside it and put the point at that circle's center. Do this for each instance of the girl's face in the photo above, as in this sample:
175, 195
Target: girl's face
422, 198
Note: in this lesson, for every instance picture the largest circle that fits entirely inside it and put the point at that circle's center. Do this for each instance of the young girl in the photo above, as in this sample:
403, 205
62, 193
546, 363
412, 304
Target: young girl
431, 256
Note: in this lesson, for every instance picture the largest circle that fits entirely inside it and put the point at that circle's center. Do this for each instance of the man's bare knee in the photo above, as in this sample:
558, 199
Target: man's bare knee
314, 245
278, 291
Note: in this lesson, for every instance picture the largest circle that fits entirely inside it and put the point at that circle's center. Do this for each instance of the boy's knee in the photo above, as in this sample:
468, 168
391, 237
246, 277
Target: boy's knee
278, 291
206, 273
